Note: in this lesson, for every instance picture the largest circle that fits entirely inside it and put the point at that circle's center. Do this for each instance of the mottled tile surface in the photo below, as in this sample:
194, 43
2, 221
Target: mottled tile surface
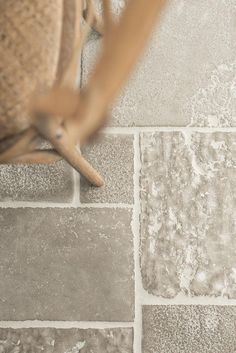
188, 194
188, 73
53, 182
112, 155
49, 340
189, 329
66, 264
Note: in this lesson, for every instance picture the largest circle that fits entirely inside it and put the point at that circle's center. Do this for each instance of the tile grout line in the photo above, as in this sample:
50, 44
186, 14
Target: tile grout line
76, 195
106, 205
181, 299
65, 324
126, 130
136, 231
73, 204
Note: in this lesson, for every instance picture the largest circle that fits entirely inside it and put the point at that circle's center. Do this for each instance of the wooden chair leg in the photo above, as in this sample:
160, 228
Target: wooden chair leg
56, 134
37, 157
26, 142
71, 154
74, 158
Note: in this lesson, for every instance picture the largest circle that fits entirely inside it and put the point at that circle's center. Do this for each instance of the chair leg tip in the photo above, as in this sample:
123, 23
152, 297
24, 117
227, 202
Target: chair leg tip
99, 182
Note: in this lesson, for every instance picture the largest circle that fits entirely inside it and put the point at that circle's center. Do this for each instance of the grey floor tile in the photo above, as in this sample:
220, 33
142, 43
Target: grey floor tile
66, 264
186, 76
189, 329
53, 182
49, 340
188, 213
113, 156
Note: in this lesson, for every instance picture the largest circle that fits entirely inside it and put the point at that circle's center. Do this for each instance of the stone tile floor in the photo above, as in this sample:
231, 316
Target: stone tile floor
148, 262
72, 340
59, 257
188, 194
189, 329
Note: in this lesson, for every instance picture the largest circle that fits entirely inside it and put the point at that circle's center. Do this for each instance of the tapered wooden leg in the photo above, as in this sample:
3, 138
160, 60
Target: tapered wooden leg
50, 156
37, 157
65, 147
25, 143
71, 154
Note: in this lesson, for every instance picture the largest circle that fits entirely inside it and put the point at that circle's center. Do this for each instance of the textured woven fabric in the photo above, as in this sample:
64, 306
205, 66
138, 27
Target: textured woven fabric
30, 41
68, 35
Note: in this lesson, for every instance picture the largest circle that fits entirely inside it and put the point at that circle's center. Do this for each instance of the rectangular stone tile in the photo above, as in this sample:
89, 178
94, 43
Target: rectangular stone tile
185, 77
113, 156
189, 329
50, 340
188, 206
53, 182
66, 264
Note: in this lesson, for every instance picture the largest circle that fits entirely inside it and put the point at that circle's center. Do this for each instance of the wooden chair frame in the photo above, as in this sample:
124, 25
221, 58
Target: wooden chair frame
67, 116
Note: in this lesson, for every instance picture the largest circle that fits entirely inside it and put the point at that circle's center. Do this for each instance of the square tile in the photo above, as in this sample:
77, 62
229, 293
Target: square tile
39, 183
189, 329
50, 340
113, 156
185, 76
66, 264
188, 190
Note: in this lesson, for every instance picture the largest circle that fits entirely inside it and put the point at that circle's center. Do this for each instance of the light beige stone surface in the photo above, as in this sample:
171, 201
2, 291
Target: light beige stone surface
189, 329
66, 264
188, 201
39, 183
49, 340
188, 72
112, 155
